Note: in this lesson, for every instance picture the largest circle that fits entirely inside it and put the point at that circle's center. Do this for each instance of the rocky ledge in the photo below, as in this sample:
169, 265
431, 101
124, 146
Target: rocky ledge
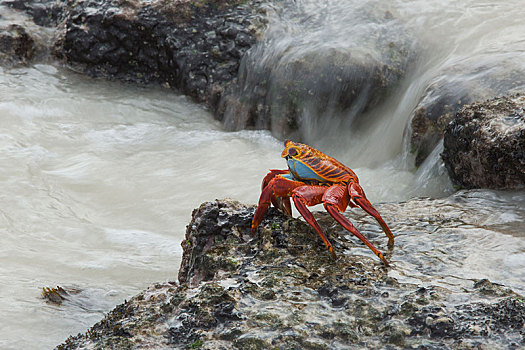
484, 146
191, 45
282, 290
477, 78
194, 46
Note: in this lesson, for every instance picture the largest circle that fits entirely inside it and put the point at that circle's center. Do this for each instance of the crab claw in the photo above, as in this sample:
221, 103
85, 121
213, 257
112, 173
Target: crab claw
282, 203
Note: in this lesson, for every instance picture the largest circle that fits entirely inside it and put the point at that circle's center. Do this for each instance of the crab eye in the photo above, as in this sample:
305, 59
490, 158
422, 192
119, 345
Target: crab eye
292, 152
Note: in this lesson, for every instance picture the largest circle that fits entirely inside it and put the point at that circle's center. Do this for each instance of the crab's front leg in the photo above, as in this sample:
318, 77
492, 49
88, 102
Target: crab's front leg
358, 196
335, 201
306, 196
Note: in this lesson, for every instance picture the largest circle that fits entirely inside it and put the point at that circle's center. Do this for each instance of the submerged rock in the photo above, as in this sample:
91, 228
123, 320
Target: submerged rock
194, 46
282, 290
476, 79
484, 146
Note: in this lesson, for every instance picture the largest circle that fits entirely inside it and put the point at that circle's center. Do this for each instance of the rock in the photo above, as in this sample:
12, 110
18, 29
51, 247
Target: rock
45, 13
22, 41
294, 80
188, 45
484, 146
16, 46
282, 290
477, 78
54, 295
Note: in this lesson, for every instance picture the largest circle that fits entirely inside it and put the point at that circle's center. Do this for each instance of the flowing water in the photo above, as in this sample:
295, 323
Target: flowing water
99, 179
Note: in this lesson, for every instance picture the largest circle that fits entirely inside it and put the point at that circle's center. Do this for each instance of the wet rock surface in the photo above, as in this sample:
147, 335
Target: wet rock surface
45, 13
194, 46
23, 39
484, 146
457, 85
282, 290
16, 46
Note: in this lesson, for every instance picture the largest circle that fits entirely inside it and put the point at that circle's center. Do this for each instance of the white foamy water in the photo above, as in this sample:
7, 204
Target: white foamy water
98, 184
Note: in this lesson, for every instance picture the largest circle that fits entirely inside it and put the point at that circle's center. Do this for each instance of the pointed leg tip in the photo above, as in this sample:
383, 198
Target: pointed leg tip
383, 259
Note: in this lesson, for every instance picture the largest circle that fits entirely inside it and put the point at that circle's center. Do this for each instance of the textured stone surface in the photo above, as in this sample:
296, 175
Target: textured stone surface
456, 85
484, 146
16, 45
193, 46
282, 290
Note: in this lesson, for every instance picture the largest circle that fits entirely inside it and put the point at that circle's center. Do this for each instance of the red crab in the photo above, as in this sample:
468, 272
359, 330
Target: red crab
313, 178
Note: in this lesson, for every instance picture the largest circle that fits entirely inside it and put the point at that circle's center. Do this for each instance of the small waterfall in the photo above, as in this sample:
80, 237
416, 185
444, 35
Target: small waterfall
431, 177
349, 76
319, 69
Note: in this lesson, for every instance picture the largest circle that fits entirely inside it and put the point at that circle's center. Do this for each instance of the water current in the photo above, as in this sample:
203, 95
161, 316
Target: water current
99, 179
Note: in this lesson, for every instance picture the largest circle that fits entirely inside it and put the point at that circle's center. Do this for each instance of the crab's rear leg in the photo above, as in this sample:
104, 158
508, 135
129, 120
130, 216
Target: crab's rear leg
305, 196
358, 196
335, 201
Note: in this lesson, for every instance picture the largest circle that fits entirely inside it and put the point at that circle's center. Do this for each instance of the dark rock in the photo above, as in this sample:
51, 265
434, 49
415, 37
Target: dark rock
484, 146
192, 46
16, 46
23, 40
236, 291
476, 79
45, 13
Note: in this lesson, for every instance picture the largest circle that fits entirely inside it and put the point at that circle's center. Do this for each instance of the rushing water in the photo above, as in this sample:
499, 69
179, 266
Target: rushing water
98, 183
99, 179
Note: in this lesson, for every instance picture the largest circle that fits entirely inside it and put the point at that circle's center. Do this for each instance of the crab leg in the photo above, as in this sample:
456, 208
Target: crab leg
307, 196
348, 225
358, 196
335, 201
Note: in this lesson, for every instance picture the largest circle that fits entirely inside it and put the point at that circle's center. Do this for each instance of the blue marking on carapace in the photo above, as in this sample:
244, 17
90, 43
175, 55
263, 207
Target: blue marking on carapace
301, 171
289, 176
